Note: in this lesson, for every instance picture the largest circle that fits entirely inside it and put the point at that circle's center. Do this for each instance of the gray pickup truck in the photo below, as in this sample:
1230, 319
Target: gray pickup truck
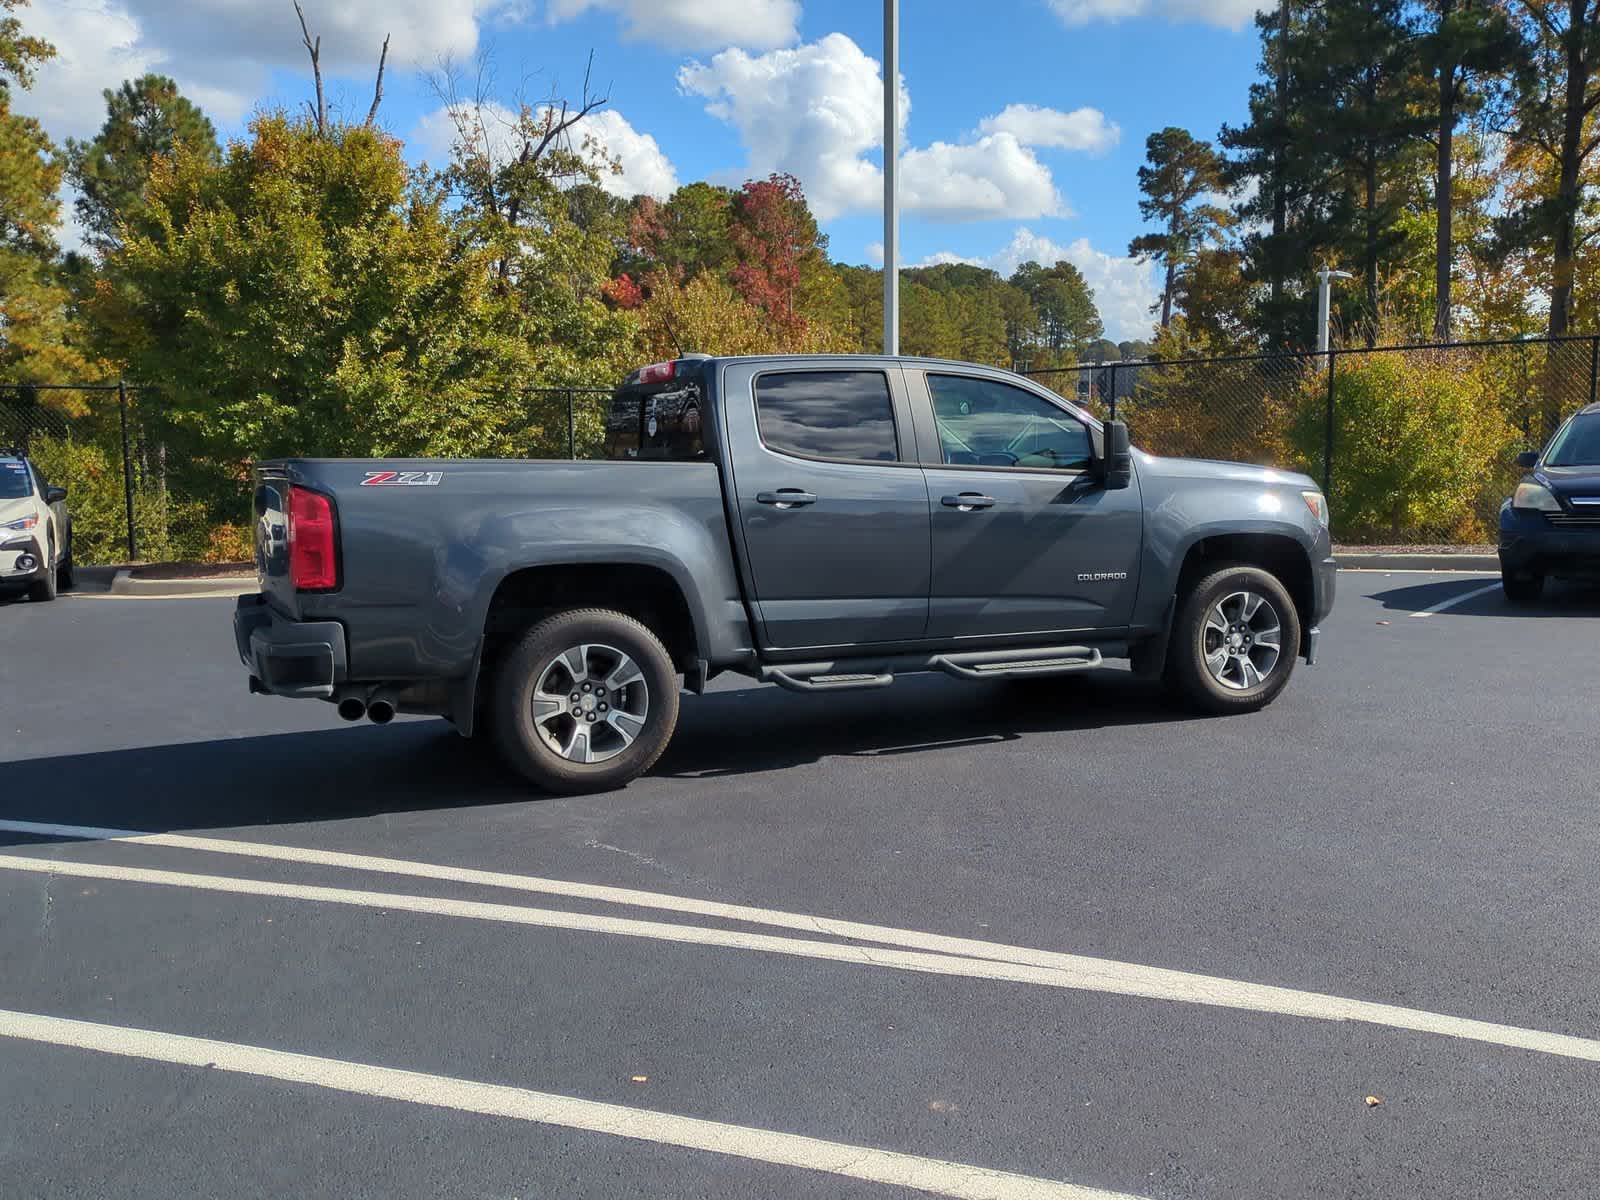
823, 523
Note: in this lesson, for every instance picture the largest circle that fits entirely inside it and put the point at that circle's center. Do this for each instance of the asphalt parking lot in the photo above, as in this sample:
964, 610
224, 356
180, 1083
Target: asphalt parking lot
1382, 888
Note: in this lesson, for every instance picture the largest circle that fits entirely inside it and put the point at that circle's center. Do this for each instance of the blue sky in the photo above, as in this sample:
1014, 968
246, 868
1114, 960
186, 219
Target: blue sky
1027, 118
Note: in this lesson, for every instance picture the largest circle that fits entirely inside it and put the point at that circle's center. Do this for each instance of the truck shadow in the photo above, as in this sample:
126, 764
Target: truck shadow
757, 729
363, 771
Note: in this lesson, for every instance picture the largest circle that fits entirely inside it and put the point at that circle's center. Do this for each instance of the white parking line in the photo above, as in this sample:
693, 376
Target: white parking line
1455, 600
1038, 967
546, 1108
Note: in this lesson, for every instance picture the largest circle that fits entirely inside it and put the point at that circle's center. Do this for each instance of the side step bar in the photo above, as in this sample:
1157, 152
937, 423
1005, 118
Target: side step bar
860, 674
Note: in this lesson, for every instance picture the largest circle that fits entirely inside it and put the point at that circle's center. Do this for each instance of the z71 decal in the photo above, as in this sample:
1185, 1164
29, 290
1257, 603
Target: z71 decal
402, 479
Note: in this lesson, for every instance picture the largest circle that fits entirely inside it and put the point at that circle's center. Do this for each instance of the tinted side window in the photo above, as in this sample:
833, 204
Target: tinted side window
989, 424
828, 414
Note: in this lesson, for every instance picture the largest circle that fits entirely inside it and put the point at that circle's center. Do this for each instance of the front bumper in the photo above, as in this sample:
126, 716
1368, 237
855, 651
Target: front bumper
285, 657
1528, 543
18, 548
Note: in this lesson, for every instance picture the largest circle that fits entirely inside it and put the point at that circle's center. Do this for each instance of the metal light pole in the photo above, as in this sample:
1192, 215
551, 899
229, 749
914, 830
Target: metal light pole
1324, 287
891, 197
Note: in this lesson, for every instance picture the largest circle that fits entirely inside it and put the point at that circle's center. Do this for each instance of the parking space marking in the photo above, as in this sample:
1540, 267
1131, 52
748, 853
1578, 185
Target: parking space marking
932, 1175
1461, 599
1072, 972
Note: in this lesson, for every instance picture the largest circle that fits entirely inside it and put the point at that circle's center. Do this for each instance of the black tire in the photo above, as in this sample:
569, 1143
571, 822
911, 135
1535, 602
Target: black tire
528, 746
44, 590
66, 572
1187, 670
1523, 587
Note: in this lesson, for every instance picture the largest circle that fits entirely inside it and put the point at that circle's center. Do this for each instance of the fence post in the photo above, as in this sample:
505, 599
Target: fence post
1113, 391
127, 471
572, 425
1594, 367
1327, 437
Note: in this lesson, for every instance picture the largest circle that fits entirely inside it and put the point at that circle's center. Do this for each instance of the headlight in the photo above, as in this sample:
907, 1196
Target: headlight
1318, 504
1535, 496
22, 523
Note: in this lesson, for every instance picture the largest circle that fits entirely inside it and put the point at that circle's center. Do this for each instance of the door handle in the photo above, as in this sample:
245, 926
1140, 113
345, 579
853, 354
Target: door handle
786, 498
968, 501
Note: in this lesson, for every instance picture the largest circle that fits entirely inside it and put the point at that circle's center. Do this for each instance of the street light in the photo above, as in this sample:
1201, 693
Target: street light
1324, 287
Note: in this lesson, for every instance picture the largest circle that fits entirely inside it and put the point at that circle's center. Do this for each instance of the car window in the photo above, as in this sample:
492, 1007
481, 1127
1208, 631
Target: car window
985, 423
1578, 445
828, 414
14, 481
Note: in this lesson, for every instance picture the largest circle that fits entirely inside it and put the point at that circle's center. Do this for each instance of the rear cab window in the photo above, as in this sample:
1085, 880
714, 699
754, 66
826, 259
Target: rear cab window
661, 413
837, 416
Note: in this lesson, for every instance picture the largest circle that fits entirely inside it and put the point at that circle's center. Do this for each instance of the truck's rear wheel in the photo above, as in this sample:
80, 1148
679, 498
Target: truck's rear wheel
585, 702
1234, 641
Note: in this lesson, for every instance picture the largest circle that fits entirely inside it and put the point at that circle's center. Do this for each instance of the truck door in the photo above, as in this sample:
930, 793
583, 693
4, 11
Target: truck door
831, 503
1024, 539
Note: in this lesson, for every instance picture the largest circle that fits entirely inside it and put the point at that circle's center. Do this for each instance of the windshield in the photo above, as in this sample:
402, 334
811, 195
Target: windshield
14, 481
1578, 444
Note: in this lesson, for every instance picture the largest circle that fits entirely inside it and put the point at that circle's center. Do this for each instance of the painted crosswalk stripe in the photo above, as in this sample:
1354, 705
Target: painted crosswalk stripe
931, 1175
1042, 968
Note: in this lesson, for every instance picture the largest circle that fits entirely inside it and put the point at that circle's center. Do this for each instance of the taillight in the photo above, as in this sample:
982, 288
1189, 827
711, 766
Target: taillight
658, 372
313, 541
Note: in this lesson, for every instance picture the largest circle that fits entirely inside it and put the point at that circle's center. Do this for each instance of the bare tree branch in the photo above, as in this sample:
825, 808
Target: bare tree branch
315, 50
377, 92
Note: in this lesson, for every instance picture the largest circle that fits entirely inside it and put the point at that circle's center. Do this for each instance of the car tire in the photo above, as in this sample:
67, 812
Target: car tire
627, 710
44, 590
66, 571
1223, 622
1522, 587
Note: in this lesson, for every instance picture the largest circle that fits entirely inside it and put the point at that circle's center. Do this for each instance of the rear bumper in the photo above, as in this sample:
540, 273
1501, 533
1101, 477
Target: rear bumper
1528, 543
288, 658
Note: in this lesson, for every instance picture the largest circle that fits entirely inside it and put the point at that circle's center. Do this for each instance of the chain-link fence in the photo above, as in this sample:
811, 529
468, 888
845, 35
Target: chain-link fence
143, 488
1415, 445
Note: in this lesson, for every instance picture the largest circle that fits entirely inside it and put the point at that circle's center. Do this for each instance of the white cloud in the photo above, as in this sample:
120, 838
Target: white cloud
223, 52
993, 177
816, 111
1123, 289
696, 24
813, 111
1081, 129
645, 170
874, 251
1229, 14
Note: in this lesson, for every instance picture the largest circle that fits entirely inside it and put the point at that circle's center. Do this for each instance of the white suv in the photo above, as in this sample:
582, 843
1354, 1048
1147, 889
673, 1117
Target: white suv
35, 530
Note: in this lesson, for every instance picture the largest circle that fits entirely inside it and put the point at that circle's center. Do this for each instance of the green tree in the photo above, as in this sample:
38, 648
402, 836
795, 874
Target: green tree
1557, 95
38, 341
1465, 44
1068, 319
308, 294
692, 230
1366, 98
1181, 173
145, 118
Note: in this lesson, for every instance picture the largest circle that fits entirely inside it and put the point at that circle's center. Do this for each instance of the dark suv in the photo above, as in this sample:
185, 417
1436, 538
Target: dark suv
1551, 525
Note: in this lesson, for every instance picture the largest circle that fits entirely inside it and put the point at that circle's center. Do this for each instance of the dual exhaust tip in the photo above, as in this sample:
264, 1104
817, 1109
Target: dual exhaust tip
379, 708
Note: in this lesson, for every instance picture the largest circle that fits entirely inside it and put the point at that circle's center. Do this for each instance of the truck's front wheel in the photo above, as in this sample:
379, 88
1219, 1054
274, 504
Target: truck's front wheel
585, 702
1234, 642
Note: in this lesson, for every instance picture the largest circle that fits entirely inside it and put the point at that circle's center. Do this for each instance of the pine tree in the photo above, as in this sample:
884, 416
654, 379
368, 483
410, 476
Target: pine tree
1464, 44
145, 118
1181, 174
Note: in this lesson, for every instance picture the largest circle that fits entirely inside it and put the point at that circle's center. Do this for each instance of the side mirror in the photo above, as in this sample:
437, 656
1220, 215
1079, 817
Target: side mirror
54, 495
1528, 459
1116, 466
